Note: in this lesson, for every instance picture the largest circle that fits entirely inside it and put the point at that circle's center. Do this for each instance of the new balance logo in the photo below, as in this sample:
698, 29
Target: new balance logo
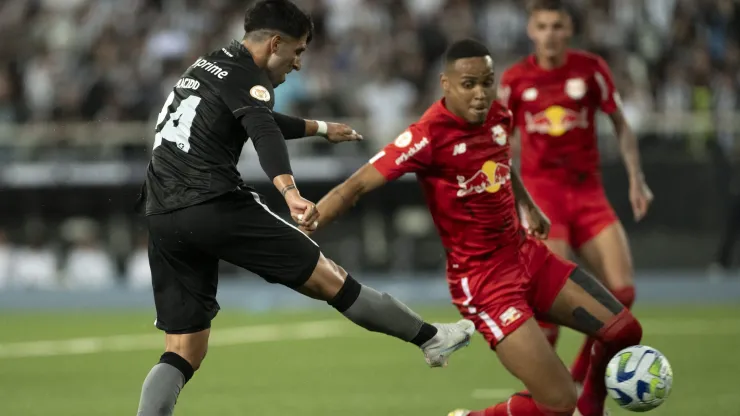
459, 149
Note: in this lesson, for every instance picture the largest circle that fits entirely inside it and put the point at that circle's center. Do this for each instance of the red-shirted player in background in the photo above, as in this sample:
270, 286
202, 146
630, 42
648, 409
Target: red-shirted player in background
554, 96
499, 277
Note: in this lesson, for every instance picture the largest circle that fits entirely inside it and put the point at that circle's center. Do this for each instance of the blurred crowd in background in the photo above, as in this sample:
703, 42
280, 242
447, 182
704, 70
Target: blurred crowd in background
80, 60
69, 61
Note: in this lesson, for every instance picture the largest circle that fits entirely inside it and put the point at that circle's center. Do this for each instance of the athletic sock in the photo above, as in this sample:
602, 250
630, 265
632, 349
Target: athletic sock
626, 296
163, 384
381, 312
521, 405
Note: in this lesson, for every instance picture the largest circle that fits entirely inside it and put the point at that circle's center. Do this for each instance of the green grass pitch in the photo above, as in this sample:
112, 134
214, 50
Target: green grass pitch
287, 365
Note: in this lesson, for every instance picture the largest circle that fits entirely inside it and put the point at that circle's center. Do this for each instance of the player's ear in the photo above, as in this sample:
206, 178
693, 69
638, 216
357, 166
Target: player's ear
444, 81
275, 42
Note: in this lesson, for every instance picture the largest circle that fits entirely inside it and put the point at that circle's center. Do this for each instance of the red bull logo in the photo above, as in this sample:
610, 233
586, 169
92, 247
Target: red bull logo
489, 179
556, 121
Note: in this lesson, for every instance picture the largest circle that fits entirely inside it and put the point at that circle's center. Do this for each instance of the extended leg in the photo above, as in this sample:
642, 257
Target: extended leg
381, 312
608, 256
586, 306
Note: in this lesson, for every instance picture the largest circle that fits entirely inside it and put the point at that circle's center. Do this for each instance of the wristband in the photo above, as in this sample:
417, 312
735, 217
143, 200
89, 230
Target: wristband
322, 128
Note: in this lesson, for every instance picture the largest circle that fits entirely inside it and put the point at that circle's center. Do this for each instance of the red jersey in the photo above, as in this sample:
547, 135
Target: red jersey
555, 113
464, 171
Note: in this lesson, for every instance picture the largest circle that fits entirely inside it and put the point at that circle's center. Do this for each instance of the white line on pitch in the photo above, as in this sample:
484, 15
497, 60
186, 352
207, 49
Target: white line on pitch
230, 336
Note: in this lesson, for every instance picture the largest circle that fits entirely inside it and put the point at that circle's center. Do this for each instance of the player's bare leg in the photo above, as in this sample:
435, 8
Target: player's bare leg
183, 355
380, 312
587, 306
607, 256
551, 330
527, 355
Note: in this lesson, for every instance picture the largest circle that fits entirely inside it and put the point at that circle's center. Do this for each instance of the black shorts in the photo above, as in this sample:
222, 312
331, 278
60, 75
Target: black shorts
185, 247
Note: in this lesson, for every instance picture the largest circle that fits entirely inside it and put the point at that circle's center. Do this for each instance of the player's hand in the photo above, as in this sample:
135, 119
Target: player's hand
303, 211
338, 133
539, 224
640, 197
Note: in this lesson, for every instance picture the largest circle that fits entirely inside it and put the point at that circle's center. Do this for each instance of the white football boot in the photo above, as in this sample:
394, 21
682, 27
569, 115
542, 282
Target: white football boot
459, 412
449, 338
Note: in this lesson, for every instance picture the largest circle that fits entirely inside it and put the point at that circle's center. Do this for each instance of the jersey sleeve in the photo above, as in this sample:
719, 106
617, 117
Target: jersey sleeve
608, 97
411, 152
246, 90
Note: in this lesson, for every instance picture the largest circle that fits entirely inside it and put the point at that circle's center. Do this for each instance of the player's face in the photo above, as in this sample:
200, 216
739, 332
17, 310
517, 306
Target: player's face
469, 88
285, 57
550, 31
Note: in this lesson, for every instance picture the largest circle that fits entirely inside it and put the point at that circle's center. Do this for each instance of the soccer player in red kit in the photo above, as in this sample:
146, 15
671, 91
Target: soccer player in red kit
554, 95
499, 277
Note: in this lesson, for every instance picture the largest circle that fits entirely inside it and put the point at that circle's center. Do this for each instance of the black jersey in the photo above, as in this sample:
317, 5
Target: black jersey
199, 136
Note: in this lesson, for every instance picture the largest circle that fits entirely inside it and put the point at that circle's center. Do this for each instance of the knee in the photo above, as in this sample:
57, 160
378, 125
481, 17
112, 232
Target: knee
326, 281
190, 347
625, 295
623, 331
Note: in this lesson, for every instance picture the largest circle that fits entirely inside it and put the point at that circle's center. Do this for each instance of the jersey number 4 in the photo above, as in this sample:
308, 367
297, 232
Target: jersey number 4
177, 127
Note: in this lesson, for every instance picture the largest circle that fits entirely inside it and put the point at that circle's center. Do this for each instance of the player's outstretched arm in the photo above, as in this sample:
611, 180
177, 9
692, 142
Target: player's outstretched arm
640, 195
346, 195
297, 128
539, 224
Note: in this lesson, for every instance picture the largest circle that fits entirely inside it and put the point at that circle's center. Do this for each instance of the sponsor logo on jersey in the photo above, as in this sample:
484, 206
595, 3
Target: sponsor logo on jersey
489, 179
412, 151
499, 134
459, 149
555, 121
530, 94
404, 139
211, 68
575, 88
259, 92
510, 316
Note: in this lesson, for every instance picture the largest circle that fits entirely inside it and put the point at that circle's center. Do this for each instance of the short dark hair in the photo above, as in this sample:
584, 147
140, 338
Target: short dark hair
466, 48
548, 5
280, 16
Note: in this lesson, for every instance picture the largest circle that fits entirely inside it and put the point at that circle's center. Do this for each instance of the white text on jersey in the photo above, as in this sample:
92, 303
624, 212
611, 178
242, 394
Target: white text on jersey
411, 152
211, 68
187, 83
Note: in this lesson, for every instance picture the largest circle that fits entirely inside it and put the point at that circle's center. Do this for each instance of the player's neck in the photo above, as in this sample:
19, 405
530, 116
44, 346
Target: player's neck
550, 62
254, 49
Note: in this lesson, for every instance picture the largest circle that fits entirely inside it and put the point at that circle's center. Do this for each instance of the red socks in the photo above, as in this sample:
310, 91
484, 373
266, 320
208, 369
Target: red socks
621, 332
626, 296
521, 405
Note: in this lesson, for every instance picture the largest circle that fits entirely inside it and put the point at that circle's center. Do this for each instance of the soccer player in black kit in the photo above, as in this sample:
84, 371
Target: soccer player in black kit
199, 211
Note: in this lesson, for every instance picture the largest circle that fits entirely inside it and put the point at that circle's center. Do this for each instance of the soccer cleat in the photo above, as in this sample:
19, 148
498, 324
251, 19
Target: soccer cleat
449, 338
459, 412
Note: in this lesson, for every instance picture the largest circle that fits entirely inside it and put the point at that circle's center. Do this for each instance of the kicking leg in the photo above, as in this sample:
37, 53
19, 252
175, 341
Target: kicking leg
607, 256
528, 356
183, 355
561, 248
585, 305
381, 312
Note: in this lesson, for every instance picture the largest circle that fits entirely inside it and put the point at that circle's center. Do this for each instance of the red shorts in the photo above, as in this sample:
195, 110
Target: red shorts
577, 214
501, 293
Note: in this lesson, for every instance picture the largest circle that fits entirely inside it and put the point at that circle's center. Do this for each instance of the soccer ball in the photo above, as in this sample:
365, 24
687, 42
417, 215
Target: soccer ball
639, 378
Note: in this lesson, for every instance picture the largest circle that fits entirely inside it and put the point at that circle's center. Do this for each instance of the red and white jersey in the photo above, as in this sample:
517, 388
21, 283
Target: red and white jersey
555, 110
465, 173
